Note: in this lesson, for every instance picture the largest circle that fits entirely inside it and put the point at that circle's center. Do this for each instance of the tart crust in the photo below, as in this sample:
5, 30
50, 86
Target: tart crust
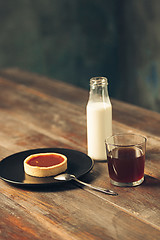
38, 171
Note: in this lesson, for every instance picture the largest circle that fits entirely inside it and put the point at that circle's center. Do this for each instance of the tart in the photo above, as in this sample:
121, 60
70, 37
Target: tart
45, 164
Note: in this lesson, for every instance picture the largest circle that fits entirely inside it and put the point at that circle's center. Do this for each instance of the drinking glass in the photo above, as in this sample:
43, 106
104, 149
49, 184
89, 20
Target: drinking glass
126, 159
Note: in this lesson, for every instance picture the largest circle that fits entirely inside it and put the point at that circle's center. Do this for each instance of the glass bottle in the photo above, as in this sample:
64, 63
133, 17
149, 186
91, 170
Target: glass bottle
99, 118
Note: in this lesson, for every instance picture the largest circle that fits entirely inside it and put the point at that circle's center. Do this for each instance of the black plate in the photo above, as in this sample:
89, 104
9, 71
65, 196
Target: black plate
12, 171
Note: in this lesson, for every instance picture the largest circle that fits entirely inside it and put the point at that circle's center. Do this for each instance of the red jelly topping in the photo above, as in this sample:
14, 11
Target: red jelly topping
45, 160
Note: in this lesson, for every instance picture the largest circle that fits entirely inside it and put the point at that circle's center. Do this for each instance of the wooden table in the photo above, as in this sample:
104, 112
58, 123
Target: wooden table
38, 112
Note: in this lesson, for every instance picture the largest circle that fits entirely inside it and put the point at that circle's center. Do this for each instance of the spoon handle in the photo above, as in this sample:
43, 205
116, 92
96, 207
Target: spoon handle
106, 191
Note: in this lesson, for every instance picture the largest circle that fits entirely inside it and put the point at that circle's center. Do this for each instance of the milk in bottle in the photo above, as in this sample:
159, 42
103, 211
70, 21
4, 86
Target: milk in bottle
99, 118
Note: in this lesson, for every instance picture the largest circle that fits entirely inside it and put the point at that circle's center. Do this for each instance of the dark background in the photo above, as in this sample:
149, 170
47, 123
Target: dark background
73, 40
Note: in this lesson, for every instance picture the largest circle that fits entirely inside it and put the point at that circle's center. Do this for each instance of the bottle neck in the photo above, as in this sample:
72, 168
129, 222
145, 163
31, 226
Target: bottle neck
98, 89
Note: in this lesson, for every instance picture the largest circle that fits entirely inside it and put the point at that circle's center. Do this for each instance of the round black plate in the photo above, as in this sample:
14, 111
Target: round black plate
12, 171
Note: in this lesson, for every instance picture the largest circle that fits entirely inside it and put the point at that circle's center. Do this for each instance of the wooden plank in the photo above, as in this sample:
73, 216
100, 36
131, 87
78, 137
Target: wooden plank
34, 130
133, 116
49, 214
140, 201
51, 87
55, 213
50, 116
99, 175
137, 117
153, 148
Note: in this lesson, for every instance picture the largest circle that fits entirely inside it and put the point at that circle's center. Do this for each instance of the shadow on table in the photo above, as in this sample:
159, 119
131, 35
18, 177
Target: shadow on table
53, 187
151, 181
57, 186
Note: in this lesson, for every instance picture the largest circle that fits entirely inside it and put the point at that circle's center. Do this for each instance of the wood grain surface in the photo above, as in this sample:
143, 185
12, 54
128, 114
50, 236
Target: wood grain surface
36, 112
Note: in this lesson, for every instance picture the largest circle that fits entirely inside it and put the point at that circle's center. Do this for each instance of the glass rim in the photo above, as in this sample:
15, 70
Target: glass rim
98, 80
126, 145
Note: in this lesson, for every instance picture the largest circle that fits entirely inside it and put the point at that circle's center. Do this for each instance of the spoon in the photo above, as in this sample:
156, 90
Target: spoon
68, 177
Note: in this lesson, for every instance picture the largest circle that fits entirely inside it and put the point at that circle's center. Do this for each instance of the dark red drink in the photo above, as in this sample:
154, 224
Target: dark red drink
126, 164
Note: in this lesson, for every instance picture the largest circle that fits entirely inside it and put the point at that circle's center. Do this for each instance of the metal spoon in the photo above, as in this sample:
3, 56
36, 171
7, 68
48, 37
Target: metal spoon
68, 177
